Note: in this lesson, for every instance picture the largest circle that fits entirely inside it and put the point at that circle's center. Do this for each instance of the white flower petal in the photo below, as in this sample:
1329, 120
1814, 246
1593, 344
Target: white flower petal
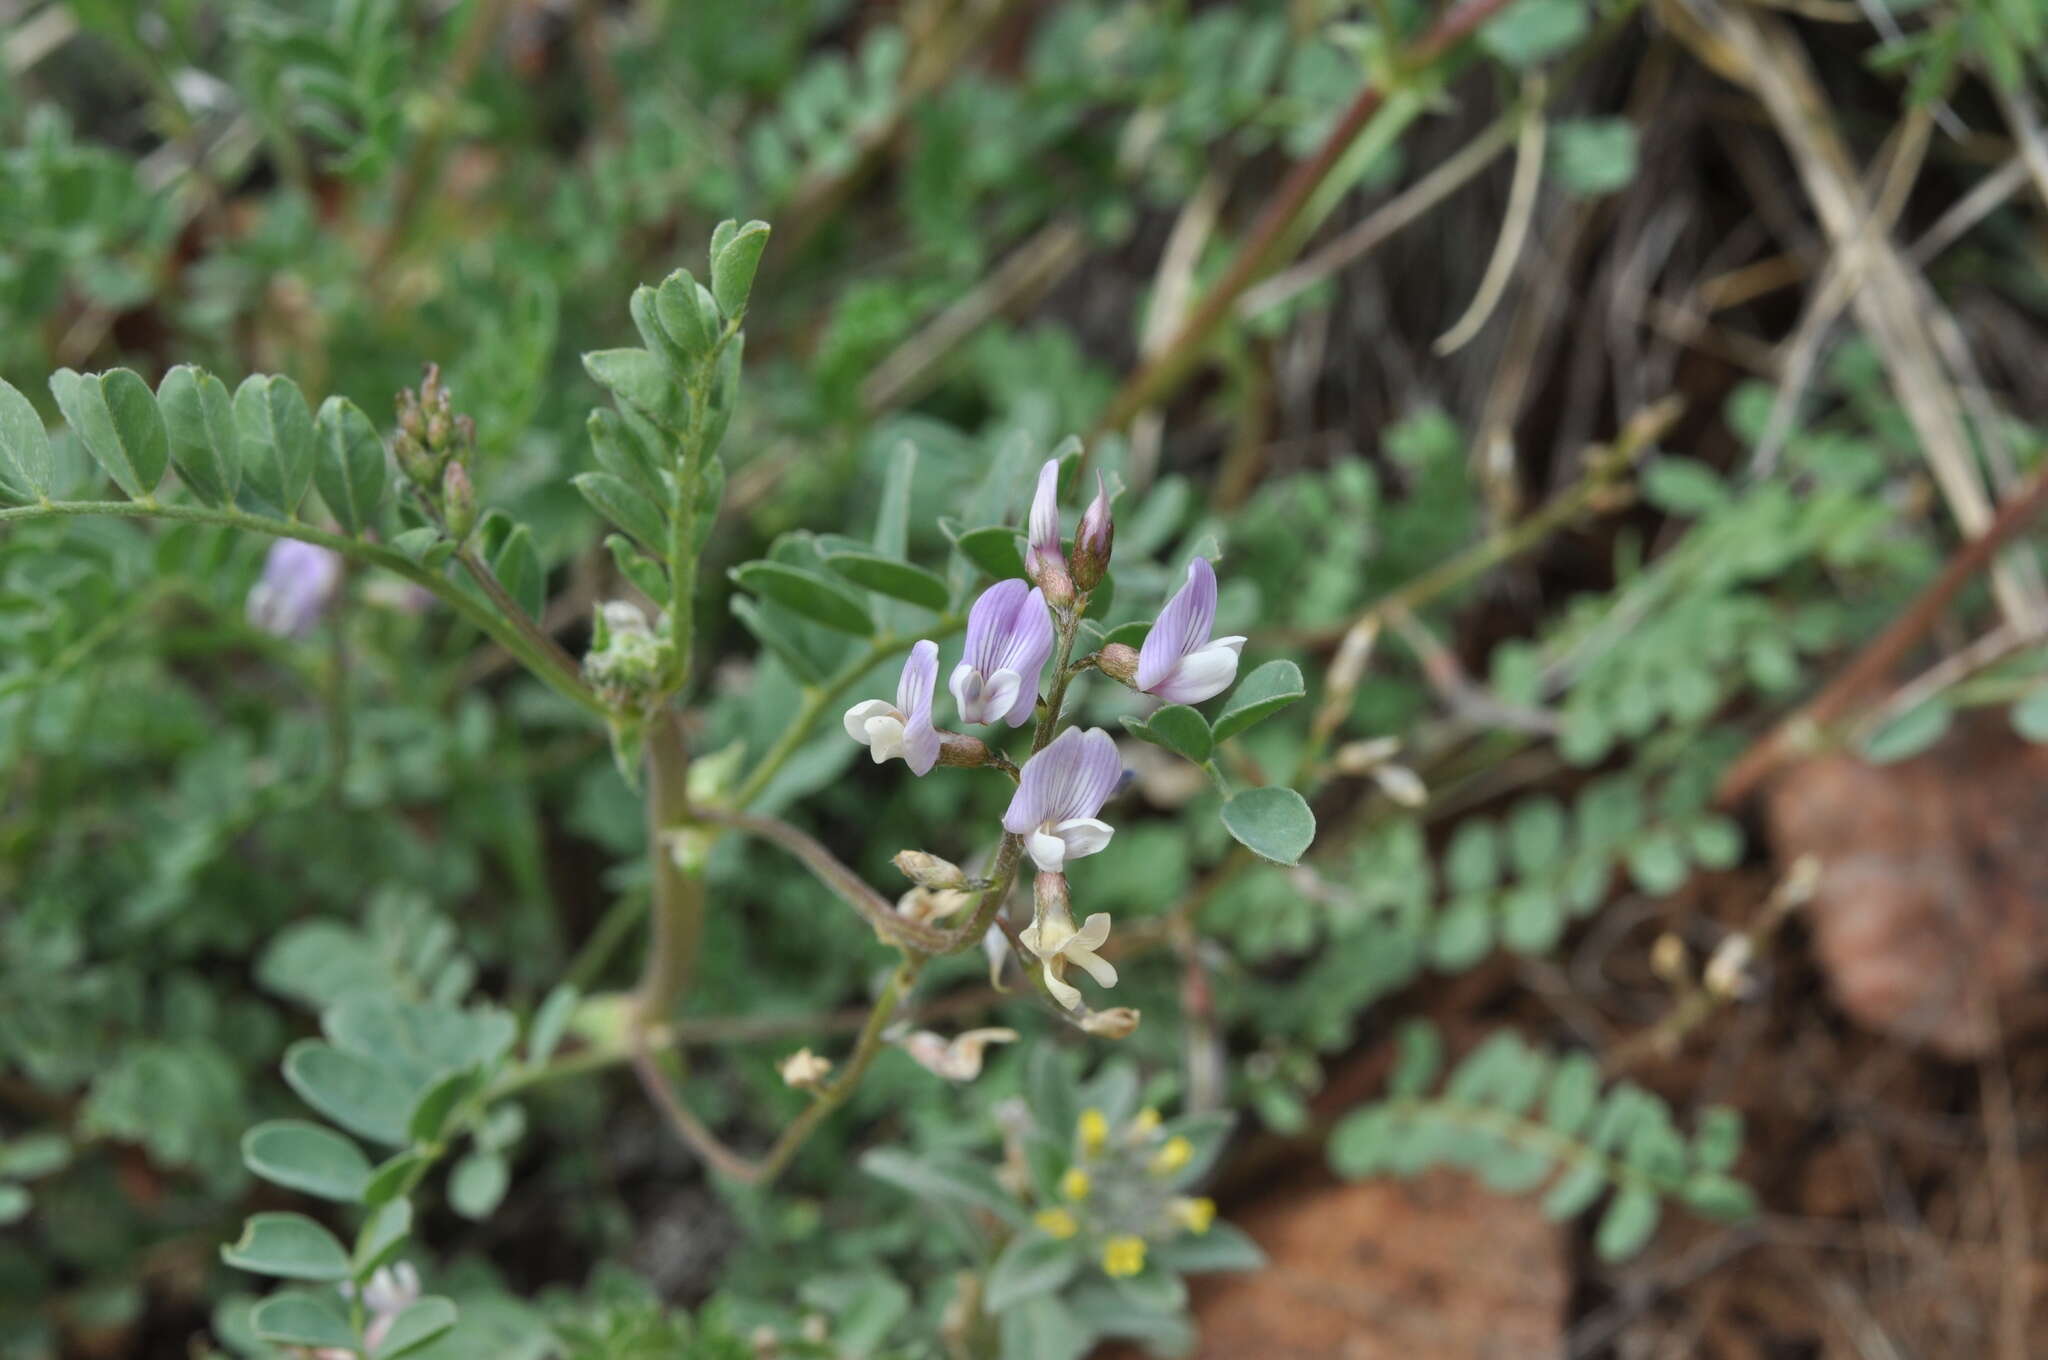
965, 682
999, 695
1084, 835
1062, 992
1094, 932
1202, 674
857, 717
1048, 851
1099, 968
885, 736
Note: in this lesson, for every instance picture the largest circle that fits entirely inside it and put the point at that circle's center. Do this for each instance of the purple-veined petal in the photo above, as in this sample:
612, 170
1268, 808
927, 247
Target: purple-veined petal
919, 679
1070, 778
914, 695
991, 609
1183, 625
1202, 674
1043, 531
1008, 630
1095, 534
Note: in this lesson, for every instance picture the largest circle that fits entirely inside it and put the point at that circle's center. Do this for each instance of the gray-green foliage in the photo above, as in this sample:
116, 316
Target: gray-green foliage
1043, 1288
1523, 1119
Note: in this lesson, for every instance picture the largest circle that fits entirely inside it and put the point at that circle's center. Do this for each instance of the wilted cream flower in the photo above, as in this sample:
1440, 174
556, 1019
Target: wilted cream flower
925, 905
956, 1059
1118, 1022
804, 1070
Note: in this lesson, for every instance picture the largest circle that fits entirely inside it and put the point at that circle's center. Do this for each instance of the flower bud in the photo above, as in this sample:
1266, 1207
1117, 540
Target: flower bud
627, 656
1052, 578
1058, 1224
1118, 662
1092, 541
925, 905
1670, 960
413, 459
929, 871
410, 421
1113, 1023
458, 501
1727, 976
1123, 1256
1173, 1156
956, 748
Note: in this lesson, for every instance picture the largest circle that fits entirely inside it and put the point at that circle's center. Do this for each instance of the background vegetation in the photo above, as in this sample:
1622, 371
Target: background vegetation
1605, 407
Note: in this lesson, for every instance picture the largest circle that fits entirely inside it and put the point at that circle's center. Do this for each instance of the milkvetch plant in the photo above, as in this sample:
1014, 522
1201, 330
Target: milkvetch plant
434, 1079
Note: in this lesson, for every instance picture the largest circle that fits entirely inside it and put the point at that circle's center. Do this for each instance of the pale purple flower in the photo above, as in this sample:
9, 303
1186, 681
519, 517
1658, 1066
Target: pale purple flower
1179, 663
1009, 637
1059, 793
299, 581
903, 728
1042, 549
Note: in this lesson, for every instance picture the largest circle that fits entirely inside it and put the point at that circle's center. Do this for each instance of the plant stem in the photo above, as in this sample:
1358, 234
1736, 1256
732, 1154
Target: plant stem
1801, 732
865, 1050
818, 698
538, 638
678, 908
875, 909
506, 633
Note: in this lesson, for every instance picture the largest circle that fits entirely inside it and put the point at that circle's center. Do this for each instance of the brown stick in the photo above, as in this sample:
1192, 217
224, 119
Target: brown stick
1145, 386
1883, 652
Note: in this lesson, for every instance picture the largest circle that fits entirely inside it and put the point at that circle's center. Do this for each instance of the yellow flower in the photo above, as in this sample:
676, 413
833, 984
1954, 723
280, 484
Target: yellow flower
1094, 1131
1074, 1185
1195, 1214
1123, 1256
1177, 1153
1056, 1223
1146, 1122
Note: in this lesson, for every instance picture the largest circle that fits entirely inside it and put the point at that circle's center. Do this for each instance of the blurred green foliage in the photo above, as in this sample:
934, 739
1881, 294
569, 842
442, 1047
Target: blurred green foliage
251, 879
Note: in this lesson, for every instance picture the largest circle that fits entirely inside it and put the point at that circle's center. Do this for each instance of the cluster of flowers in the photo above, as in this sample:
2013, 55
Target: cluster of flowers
1013, 629
1117, 1191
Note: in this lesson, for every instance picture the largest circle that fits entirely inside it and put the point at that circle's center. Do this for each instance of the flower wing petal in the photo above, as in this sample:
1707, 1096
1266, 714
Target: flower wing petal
856, 719
885, 736
1202, 674
1043, 533
1084, 835
1182, 626
1048, 851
